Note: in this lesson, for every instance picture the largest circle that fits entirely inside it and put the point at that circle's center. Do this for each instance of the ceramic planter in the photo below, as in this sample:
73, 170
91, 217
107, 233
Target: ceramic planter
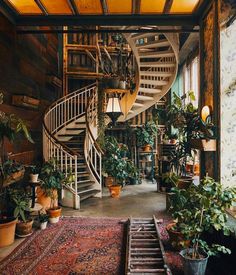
194, 266
115, 191
7, 231
54, 214
43, 225
34, 177
24, 229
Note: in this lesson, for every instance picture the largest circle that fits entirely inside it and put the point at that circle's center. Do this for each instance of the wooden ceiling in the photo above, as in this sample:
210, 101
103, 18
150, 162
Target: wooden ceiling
103, 7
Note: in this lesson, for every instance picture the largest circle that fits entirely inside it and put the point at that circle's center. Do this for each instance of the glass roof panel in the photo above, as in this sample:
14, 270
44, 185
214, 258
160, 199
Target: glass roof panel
25, 6
89, 6
183, 6
121, 6
152, 6
56, 6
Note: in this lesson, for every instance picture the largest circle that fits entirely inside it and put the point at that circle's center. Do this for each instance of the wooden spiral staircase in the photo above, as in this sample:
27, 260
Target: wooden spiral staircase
70, 123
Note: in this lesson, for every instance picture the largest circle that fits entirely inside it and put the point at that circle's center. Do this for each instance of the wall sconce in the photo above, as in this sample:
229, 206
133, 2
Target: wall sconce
113, 109
206, 113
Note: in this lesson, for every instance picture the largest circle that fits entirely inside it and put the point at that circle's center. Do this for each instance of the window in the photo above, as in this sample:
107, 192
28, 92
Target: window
191, 79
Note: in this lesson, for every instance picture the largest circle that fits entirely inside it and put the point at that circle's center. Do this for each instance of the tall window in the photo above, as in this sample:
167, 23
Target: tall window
191, 79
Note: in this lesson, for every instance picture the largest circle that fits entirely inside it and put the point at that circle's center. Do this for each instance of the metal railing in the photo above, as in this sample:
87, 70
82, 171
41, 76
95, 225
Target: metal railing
65, 110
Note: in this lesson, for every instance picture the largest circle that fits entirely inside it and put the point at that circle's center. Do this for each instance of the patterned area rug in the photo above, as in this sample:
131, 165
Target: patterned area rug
71, 247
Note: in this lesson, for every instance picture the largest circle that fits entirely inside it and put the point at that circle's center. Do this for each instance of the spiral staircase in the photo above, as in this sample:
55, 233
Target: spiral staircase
70, 123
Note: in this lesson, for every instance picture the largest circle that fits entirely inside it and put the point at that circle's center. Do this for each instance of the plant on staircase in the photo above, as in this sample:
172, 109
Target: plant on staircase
146, 134
52, 179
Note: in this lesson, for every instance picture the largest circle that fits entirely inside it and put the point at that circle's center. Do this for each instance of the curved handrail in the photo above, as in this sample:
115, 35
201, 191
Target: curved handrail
173, 41
92, 151
58, 115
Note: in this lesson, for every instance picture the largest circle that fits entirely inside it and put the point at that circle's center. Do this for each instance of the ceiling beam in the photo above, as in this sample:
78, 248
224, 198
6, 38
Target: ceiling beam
73, 6
7, 11
136, 6
41, 6
104, 6
168, 6
111, 20
20, 31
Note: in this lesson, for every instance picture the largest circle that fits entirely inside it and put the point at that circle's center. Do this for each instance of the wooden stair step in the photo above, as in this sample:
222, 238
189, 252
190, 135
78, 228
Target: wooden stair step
75, 129
157, 54
84, 185
142, 35
89, 194
157, 64
154, 44
154, 73
154, 82
149, 90
137, 104
144, 98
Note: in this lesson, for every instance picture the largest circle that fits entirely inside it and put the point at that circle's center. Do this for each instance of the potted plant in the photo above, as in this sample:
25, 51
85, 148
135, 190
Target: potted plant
133, 173
115, 165
21, 201
34, 173
10, 127
11, 171
203, 210
145, 135
43, 219
52, 179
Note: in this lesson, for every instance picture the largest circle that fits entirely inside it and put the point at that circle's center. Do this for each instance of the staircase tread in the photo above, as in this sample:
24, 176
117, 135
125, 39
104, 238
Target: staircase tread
155, 43
83, 185
89, 194
144, 97
149, 90
157, 64
157, 53
75, 128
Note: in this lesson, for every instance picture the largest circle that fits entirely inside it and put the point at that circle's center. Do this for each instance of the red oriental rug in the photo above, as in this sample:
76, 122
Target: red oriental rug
71, 247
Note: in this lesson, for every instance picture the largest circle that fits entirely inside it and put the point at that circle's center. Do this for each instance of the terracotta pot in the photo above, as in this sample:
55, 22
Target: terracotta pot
177, 239
44, 200
24, 228
54, 214
109, 181
147, 148
115, 191
7, 232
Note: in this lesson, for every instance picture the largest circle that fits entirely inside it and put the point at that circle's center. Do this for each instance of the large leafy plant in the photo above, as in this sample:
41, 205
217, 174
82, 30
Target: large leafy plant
146, 134
10, 127
52, 179
201, 209
114, 162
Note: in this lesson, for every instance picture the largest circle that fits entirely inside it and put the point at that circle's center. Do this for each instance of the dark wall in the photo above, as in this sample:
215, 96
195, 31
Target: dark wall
26, 62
